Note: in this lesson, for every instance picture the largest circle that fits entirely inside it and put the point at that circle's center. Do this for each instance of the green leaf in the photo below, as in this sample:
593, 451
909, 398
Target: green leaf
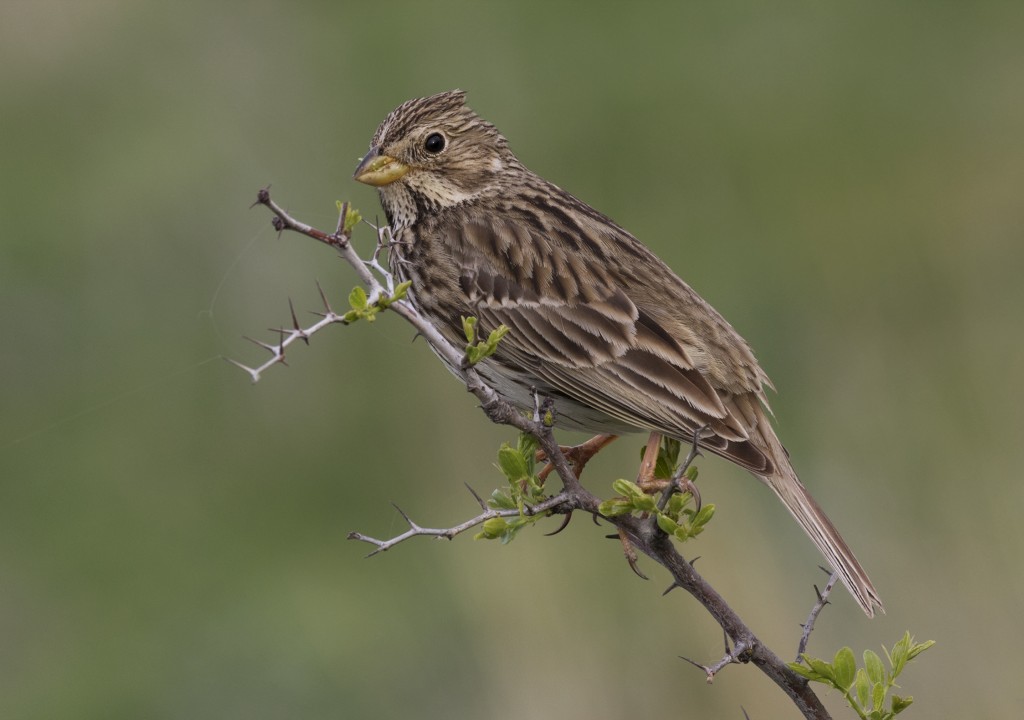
477, 351
845, 668
357, 298
704, 516
668, 456
918, 648
899, 704
822, 668
667, 524
627, 489
512, 528
662, 470
527, 446
646, 503
401, 290
865, 689
862, 684
490, 346
898, 655
675, 504
878, 696
803, 670
615, 507
686, 532
469, 328
670, 447
352, 218
500, 500
512, 463
534, 485
873, 664
496, 335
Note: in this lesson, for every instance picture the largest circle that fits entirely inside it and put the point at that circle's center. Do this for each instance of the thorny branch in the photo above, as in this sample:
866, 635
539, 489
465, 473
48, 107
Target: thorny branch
448, 533
644, 535
808, 627
735, 654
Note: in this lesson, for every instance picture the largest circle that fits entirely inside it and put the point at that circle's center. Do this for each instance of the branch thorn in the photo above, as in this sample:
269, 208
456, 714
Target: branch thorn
254, 374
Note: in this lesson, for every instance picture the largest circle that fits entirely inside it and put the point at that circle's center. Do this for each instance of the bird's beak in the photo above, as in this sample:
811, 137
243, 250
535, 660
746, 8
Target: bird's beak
376, 169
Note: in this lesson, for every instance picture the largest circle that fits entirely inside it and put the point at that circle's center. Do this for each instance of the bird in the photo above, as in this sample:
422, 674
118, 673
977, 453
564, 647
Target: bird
598, 324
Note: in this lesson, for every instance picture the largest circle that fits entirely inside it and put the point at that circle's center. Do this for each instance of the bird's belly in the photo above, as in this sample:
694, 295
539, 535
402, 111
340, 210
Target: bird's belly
523, 393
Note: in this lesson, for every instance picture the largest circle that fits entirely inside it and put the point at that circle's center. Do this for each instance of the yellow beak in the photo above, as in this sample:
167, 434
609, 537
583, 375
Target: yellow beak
376, 169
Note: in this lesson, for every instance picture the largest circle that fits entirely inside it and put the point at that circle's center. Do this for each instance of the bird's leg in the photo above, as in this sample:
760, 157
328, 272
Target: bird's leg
680, 478
645, 476
577, 455
681, 481
647, 482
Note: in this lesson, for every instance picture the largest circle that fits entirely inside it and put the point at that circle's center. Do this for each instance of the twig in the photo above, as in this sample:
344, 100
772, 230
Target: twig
808, 627
735, 655
449, 533
288, 336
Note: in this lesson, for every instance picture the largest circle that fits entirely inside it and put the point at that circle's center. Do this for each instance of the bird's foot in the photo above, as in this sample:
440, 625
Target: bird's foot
577, 455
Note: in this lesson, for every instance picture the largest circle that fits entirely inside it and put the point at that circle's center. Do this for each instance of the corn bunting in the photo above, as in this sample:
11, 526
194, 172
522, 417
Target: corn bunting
597, 322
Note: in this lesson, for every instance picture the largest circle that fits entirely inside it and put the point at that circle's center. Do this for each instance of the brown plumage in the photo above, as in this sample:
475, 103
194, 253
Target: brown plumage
598, 323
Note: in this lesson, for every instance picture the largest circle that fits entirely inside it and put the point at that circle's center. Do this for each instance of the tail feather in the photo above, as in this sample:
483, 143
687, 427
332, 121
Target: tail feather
783, 481
763, 455
823, 533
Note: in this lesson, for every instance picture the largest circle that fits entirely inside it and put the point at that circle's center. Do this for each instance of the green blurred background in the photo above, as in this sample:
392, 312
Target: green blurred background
843, 182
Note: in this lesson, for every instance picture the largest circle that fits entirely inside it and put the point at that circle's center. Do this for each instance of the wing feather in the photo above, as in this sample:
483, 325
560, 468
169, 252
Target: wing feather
578, 329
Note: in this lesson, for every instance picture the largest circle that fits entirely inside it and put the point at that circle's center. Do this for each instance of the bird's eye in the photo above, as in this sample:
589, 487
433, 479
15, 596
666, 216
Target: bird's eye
434, 143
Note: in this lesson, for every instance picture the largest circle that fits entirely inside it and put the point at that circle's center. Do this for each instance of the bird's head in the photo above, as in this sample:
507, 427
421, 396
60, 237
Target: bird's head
433, 153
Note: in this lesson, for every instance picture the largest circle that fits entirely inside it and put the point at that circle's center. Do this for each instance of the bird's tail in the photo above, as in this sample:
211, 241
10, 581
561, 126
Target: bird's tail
787, 486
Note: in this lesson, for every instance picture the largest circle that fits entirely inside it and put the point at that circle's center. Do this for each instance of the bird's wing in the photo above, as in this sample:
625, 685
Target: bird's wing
577, 329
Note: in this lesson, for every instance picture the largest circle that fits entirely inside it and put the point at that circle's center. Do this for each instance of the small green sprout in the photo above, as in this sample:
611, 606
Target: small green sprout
524, 489
865, 688
477, 351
